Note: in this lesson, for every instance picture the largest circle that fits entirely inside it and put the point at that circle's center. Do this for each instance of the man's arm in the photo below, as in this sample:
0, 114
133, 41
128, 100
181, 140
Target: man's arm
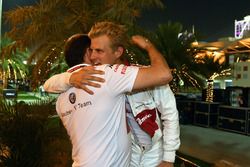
57, 83
61, 82
158, 73
166, 104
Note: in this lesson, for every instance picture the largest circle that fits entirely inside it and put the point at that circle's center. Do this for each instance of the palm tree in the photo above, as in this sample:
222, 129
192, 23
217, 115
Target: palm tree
12, 66
210, 69
181, 56
44, 27
176, 49
175, 44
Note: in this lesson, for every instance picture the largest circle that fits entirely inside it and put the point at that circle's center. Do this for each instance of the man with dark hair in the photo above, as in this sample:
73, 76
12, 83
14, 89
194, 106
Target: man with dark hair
75, 49
96, 123
76, 52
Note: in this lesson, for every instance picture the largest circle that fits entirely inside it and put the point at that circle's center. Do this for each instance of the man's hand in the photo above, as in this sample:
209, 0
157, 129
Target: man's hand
141, 41
81, 78
166, 164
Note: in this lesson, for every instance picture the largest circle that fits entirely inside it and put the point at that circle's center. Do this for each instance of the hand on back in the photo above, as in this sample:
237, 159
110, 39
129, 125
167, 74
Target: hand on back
85, 77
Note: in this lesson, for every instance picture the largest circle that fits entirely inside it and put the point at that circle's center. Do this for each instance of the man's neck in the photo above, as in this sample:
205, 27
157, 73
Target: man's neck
76, 67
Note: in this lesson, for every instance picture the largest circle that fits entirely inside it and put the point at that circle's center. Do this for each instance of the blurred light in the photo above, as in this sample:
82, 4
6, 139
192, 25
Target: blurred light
195, 43
212, 48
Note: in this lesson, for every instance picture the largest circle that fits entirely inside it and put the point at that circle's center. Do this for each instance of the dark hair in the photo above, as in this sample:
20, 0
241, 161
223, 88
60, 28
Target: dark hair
75, 49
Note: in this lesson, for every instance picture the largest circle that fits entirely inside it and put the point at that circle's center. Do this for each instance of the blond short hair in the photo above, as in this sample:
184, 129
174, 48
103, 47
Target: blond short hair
116, 33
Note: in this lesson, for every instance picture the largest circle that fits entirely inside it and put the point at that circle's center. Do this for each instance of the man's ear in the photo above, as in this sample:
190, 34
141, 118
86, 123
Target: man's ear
119, 51
86, 57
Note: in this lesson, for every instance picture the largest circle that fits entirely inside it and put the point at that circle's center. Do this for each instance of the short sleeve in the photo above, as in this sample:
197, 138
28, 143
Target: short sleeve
120, 78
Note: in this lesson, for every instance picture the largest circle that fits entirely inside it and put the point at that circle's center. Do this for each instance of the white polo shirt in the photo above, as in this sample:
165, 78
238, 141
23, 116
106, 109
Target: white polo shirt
96, 123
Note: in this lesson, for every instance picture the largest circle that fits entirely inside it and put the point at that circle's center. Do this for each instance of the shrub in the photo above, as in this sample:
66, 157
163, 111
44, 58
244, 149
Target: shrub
32, 136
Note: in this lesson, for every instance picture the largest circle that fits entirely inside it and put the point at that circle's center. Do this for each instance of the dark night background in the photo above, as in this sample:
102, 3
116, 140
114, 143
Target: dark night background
211, 18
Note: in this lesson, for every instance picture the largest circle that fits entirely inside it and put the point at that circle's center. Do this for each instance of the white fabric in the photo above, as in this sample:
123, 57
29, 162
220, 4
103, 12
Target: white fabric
166, 103
166, 140
140, 136
60, 82
146, 158
57, 83
96, 123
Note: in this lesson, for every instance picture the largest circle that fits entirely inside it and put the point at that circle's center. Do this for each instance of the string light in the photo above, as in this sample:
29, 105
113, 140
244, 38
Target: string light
210, 84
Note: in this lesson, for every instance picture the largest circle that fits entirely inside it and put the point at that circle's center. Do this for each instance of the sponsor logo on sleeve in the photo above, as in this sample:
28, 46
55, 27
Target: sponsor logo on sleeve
124, 69
120, 68
116, 67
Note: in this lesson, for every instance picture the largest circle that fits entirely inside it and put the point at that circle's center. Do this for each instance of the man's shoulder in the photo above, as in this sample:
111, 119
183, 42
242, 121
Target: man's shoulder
121, 68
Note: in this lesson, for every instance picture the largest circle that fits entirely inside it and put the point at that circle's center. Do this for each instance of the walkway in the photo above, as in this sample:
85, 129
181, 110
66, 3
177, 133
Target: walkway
212, 145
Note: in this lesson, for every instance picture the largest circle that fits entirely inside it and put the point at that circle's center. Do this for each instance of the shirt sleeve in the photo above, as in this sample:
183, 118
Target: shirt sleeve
58, 83
166, 104
120, 78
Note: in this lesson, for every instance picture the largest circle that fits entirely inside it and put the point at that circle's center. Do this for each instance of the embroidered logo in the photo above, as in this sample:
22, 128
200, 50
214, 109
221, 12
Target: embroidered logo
72, 98
147, 121
141, 120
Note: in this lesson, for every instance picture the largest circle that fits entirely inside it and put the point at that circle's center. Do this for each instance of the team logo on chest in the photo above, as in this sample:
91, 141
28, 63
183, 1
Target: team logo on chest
72, 98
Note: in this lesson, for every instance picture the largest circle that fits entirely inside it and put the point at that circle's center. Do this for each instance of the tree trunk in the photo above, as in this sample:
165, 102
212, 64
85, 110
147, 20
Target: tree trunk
210, 91
5, 80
